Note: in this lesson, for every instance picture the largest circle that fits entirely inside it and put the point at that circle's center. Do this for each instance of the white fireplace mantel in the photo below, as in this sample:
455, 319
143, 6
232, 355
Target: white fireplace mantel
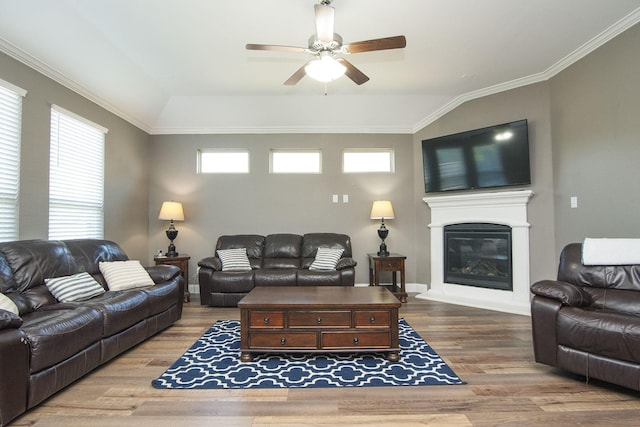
503, 207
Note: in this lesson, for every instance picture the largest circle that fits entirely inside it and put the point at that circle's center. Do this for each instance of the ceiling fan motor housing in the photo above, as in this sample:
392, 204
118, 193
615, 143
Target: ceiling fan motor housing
316, 45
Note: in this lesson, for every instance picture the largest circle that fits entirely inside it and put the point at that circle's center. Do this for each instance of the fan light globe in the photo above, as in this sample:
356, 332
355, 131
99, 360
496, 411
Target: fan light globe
325, 69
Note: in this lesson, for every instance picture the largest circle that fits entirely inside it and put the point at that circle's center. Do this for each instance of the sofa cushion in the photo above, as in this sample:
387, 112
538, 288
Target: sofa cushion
125, 275
253, 243
121, 309
234, 259
7, 304
312, 241
88, 253
326, 259
283, 277
58, 333
283, 246
319, 278
9, 319
77, 287
233, 281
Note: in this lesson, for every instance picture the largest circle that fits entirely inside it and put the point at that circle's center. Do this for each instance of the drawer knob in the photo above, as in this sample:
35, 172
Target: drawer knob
355, 340
283, 340
318, 320
266, 320
373, 319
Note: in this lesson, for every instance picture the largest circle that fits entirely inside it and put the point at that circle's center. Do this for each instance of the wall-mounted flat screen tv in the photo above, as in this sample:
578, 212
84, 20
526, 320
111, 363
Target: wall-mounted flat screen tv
494, 156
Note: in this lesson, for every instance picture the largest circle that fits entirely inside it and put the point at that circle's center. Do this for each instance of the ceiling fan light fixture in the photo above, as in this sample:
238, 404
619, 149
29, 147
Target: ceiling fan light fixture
325, 69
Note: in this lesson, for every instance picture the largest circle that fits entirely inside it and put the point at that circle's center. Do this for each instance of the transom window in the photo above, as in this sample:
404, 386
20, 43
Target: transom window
368, 160
295, 161
223, 161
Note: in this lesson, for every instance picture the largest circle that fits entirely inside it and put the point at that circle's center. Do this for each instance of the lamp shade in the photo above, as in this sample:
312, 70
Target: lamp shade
171, 211
382, 209
325, 69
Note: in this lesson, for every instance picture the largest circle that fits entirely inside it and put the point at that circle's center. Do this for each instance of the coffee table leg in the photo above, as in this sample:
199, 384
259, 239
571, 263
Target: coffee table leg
245, 356
393, 356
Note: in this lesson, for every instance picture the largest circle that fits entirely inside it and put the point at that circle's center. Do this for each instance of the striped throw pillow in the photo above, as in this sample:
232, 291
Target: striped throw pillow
78, 287
121, 275
234, 259
7, 304
326, 259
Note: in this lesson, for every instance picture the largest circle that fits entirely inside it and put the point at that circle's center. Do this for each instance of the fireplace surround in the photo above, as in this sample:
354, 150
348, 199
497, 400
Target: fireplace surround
506, 208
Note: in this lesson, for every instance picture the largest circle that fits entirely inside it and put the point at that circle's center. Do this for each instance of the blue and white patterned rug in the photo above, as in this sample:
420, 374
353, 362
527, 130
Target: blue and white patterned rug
214, 362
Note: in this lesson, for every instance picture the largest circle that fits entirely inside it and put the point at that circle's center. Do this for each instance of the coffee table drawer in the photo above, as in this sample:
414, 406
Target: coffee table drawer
266, 319
364, 319
283, 340
319, 318
355, 340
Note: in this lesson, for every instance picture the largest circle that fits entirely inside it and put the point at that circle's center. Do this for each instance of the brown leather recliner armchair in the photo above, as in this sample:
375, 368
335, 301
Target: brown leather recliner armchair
276, 260
588, 320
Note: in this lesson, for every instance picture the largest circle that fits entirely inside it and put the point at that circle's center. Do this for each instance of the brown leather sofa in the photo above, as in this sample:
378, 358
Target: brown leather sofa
50, 344
276, 260
588, 320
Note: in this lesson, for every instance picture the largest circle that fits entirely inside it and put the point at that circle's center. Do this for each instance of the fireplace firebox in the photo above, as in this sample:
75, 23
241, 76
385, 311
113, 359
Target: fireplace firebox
478, 254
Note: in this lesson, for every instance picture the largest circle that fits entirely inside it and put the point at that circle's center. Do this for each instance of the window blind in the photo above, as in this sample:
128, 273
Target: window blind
10, 129
76, 177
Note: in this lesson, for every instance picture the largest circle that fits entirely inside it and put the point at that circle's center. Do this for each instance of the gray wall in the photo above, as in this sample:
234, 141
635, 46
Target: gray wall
126, 164
595, 105
531, 103
263, 203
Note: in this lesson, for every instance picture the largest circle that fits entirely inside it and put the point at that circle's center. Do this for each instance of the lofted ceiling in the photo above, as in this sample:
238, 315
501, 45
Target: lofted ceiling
180, 66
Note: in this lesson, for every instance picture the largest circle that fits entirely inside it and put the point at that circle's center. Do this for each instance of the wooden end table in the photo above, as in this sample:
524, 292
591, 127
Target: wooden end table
394, 263
182, 262
315, 319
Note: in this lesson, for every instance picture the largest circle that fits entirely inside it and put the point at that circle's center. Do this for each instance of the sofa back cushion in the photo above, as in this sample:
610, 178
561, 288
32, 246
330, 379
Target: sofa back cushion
89, 253
312, 241
253, 243
282, 251
573, 271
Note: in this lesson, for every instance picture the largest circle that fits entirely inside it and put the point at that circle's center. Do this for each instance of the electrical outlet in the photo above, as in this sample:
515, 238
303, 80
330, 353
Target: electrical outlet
574, 202
335, 198
345, 198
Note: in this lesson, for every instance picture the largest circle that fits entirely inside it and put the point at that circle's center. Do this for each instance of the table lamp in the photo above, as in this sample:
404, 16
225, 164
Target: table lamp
382, 209
171, 211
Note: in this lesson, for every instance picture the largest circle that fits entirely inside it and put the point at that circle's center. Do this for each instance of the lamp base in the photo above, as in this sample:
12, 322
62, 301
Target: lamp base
383, 250
171, 251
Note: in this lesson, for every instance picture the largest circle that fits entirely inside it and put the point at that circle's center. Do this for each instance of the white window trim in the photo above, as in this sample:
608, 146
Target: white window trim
392, 161
295, 150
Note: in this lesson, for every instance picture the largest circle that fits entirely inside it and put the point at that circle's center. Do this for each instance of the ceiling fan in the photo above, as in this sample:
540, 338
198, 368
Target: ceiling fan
325, 45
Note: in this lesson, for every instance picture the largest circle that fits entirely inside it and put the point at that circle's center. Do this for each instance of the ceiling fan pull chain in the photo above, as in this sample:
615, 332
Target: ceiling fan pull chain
326, 85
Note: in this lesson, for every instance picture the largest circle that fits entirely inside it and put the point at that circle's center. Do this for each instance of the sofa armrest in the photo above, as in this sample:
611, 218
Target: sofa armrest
346, 263
163, 273
211, 262
566, 293
9, 320
14, 374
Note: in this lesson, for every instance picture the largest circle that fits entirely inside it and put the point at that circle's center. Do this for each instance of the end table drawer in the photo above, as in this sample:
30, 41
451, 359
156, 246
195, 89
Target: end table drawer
372, 319
266, 319
284, 340
391, 264
356, 339
319, 318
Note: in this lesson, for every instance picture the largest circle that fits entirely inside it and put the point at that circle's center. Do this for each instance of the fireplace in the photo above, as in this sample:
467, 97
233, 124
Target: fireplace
478, 254
505, 209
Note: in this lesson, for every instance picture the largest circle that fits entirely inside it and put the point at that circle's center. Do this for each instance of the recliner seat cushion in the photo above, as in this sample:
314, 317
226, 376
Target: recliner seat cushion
58, 333
602, 332
121, 309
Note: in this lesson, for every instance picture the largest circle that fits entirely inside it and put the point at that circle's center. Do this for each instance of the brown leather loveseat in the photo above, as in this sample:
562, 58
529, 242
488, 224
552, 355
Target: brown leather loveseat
50, 344
275, 260
588, 320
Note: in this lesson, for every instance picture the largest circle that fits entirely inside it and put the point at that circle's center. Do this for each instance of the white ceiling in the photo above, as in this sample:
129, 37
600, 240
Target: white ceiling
180, 66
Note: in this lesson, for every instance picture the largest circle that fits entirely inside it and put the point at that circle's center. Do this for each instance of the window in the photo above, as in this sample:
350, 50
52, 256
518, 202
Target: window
223, 161
368, 160
10, 128
76, 177
295, 161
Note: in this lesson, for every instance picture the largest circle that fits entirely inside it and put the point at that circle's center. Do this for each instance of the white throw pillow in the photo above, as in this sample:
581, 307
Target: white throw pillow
234, 259
326, 259
122, 275
78, 287
7, 303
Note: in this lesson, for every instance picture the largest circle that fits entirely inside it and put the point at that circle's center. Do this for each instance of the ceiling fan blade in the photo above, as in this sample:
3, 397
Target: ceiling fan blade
296, 77
325, 16
296, 49
353, 73
395, 42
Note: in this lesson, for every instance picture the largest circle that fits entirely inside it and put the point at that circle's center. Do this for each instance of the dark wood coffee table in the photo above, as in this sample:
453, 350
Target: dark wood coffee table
319, 319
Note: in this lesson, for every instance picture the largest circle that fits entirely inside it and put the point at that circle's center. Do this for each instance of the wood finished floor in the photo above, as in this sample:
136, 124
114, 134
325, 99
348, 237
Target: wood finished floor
489, 350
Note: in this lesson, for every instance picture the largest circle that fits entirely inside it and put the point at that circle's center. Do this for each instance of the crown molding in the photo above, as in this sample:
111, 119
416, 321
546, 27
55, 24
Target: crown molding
281, 130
